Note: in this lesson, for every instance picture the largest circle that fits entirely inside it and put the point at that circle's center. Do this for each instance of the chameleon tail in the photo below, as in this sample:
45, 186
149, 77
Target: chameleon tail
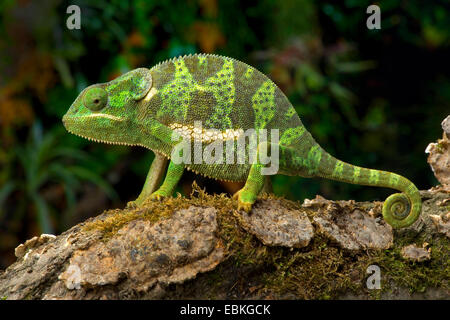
399, 210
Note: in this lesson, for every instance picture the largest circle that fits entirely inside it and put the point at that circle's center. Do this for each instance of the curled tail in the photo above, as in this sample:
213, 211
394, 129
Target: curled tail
399, 210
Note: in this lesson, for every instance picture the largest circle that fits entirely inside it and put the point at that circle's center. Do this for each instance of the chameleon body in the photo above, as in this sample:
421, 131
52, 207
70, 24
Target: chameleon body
145, 106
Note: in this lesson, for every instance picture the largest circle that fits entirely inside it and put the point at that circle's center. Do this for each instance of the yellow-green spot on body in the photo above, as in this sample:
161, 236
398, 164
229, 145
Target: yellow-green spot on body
120, 80
338, 169
263, 102
314, 156
119, 99
176, 95
291, 134
393, 179
356, 173
411, 188
222, 87
289, 113
248, 73
373, 177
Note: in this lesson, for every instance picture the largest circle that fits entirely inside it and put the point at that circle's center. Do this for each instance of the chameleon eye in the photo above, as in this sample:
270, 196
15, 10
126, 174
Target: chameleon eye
95, 98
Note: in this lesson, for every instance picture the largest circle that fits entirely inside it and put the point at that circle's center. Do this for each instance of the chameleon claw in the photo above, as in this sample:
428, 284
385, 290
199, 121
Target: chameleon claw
242, 205
156, 197
247, 207
132, 204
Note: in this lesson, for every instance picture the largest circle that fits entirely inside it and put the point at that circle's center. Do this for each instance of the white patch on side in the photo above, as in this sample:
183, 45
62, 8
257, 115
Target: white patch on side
205, 135
150, 94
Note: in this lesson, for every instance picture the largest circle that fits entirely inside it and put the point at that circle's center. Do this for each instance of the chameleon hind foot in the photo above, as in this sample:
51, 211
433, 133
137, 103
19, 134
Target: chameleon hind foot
132, 204
245, 199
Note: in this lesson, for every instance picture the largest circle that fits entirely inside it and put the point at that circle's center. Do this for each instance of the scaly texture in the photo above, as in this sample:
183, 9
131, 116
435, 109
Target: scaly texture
227, 97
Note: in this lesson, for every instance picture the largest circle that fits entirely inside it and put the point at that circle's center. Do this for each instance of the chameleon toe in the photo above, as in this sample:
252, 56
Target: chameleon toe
132, 204
247, 207
157, 197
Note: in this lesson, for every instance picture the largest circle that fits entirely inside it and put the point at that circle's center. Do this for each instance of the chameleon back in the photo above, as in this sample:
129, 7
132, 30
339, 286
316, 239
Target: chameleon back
223, 94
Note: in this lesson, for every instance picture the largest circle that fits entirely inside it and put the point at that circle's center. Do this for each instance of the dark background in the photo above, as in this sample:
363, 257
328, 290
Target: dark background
374, 98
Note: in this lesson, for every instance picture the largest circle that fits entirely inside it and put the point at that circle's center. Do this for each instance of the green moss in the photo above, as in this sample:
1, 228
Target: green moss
441, 146
416, 276
319, 272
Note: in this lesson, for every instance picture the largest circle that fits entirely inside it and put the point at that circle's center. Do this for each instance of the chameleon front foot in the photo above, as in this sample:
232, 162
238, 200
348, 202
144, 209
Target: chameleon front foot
245, 200
139, 201
155, 196
158, 196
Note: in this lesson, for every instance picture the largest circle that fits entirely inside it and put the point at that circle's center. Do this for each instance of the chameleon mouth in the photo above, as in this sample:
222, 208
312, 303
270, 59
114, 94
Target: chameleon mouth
100, 140
65, 121
94, 115
104, 141
114, 142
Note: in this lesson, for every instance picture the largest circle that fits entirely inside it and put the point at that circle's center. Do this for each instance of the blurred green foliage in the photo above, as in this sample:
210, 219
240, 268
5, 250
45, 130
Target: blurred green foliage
42, 161
374, 98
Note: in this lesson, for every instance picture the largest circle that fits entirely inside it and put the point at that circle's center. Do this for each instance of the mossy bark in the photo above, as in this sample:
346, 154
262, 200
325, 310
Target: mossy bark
199, 248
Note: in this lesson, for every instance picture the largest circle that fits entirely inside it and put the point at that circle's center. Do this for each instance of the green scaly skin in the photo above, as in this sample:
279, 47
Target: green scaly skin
144, 106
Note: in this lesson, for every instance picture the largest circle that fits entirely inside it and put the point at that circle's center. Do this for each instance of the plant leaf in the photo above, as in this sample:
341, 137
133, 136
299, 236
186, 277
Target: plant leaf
43, 215
94, 178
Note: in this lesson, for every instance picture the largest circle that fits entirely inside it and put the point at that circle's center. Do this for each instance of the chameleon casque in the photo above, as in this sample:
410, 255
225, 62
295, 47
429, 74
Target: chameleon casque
145, 106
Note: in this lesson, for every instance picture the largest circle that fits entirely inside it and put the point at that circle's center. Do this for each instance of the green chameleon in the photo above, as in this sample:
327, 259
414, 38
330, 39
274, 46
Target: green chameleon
144, 107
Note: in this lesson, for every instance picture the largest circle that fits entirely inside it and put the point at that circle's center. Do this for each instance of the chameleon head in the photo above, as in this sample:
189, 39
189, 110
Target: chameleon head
105, 112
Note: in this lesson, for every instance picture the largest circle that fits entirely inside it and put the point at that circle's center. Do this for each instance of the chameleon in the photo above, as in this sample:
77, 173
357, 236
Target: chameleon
145, 107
